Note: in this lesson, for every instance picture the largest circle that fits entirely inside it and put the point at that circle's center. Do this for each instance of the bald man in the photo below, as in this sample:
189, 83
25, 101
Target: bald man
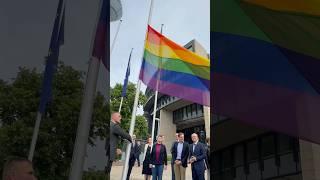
197, 155
18, 169
116, 132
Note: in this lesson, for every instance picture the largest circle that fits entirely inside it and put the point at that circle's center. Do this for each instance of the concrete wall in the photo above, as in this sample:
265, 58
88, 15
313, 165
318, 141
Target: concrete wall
206, 115
167, 128
310, 160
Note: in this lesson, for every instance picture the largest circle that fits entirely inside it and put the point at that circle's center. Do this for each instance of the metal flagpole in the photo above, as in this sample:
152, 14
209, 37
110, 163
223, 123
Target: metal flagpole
120, 104
115, 37
38, 119
156, 98
80, 147
134, 110
35, 136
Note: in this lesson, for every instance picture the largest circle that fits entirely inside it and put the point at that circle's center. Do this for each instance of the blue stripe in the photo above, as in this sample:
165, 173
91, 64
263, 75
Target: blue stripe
176, 77
257, 60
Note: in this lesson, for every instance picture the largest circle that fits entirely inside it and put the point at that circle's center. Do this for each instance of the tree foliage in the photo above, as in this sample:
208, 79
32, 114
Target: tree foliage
127, 105
19, 101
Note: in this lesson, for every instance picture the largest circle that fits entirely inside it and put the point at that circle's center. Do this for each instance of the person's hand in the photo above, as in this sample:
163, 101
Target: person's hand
150, 165
119, 151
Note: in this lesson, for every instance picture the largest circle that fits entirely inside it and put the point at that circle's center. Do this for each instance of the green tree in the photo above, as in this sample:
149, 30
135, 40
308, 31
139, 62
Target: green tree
19, 101
127, 106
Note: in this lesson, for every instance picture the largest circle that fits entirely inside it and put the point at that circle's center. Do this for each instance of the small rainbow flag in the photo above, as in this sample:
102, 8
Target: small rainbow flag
173, 70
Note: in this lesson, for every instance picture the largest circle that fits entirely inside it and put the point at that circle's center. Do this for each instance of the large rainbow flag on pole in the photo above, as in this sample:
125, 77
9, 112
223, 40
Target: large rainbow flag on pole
266, 68
173, 70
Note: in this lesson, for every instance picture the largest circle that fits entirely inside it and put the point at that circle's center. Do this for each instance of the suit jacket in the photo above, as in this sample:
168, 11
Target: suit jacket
184, 154
162, 157
200, 153
135, 152
116, 132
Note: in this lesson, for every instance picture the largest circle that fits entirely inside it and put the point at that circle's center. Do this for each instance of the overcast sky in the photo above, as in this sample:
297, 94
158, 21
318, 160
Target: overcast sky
183, 21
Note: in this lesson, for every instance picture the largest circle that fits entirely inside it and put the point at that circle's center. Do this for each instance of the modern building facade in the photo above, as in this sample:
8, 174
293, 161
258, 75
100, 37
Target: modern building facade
177, 115
250, 153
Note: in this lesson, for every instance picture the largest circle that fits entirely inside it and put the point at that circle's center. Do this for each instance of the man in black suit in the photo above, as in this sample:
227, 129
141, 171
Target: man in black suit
134, 152
138, 152
180, 154
197, 158
116, 132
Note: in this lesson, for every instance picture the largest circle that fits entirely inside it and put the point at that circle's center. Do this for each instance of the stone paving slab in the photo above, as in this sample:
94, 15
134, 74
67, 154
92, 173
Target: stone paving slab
116, 173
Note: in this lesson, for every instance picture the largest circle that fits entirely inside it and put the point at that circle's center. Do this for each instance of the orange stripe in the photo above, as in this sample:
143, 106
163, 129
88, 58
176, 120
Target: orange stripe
177, 54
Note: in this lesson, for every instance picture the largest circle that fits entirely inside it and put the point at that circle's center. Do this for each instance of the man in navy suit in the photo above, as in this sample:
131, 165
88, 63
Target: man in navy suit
134, 153
197, 158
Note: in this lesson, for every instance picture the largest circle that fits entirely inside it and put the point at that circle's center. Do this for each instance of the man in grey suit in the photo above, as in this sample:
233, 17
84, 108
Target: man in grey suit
116, 132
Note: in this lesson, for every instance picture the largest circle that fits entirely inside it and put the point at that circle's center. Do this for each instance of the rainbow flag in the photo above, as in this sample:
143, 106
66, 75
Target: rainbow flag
267, 64
175, 71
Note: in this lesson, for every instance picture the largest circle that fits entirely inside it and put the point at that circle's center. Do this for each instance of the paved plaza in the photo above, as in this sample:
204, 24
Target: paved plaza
116, 173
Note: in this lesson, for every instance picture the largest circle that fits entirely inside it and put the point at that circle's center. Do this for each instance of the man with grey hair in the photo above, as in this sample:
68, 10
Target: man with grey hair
197, 155
17, 168
116, 132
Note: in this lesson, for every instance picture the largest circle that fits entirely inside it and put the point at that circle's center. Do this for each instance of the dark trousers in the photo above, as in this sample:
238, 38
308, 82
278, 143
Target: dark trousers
138, 160
172, 170
108, 167
131, 164
197, 174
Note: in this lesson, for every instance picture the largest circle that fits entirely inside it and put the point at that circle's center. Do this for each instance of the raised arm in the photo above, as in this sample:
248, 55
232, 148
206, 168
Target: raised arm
120, 132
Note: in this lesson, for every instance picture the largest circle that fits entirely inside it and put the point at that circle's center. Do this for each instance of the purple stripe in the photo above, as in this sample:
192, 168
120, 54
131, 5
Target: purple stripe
263, 105
183, 92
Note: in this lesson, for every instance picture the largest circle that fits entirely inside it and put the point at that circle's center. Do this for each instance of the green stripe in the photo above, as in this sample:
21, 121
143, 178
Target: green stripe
177, 65
227, 16
299, 33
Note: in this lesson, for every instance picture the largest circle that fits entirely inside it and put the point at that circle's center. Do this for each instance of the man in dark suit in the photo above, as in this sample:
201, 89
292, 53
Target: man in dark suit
197, 158
180, 155
134, 152
116, 132
138, 152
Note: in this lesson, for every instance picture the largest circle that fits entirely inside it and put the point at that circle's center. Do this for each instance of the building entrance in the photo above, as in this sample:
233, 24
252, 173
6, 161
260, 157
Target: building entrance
200, 130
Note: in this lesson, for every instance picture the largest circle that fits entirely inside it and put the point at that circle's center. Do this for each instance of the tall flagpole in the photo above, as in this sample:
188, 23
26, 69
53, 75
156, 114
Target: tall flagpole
80, 147
120, 104
134, 110
38, 118
156, 97
115, 37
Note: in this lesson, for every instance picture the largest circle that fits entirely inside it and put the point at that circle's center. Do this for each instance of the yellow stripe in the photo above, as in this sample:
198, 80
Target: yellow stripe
183, 55
310, 7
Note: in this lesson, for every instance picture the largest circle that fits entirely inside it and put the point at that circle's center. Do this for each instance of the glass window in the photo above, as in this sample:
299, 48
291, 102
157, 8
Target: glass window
226, 158
254, 172
227, 175
284, 144
216, 162
238, 155
270, 168
252, 150
287, 164
189, 110
194, 110
240, 174
216, 176
267, 146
